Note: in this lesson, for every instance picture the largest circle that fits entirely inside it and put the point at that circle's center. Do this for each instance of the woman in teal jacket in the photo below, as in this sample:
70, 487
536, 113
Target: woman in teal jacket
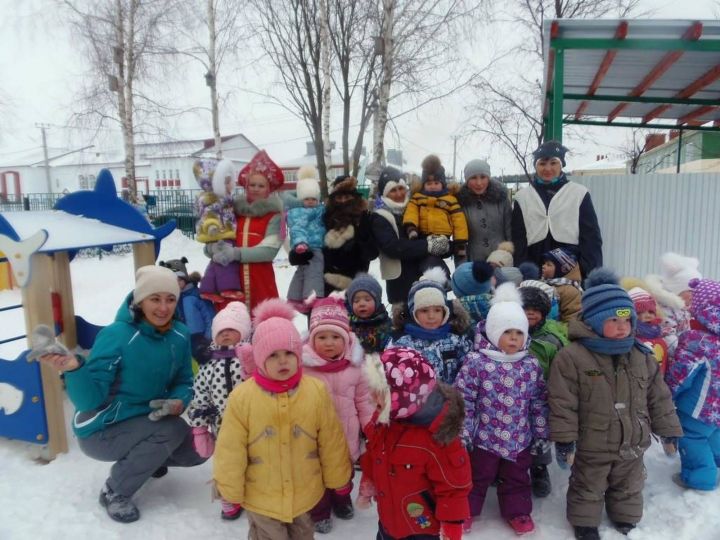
132, 388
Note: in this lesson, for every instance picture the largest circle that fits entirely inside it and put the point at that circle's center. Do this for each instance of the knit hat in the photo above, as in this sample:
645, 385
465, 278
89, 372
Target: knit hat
677, 271
506, 274
431, 166
154, 279
506, 313
550, 149
535, 298
274, 331
177, 266
234, 316
604, 298
705, 305
429, 291
307, 184
476, 167
549, 290
472, 278
642, 300
366, 283
529, 270
262, 164
330, 314
390, 177
410, 378
503, 255
563, 259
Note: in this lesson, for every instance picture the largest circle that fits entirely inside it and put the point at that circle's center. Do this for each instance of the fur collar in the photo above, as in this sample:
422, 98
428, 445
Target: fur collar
311, 359
661, 294
495, 193
452, 421
259, 207
459, 320
336, 238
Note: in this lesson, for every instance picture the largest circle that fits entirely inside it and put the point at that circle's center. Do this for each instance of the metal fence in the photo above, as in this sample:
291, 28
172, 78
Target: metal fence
30, 201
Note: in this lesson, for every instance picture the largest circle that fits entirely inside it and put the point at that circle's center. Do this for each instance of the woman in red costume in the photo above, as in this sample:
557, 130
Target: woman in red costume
258, 239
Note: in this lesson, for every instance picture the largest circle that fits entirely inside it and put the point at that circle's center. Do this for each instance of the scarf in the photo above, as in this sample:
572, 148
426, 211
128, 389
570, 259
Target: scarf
648, 330
440, 193
278, 387
373, 332
609, 346
396, 209
333, 366
418, 332
222, 352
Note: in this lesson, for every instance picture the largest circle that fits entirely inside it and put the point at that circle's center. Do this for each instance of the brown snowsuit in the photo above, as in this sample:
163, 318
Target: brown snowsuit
608, 405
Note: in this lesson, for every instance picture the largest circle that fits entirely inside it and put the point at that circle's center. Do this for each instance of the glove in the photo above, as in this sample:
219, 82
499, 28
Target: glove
450, 530
438, 245
164, 407
411, 231
670, 445
345, 490
203, 441
565, 454
301, 248
44, 343
539, 447
298, 258
224, 253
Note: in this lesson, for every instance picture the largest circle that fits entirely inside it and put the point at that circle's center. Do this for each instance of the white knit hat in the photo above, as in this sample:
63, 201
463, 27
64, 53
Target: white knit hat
506, 313
307, 186
234, 316
429, 291
154, 279
503, 255
677, 271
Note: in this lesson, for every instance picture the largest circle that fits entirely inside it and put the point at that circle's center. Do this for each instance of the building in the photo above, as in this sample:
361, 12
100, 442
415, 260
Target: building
699, 152
602, 166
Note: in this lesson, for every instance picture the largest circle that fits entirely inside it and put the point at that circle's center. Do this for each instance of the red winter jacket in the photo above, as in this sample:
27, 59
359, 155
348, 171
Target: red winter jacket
421, 473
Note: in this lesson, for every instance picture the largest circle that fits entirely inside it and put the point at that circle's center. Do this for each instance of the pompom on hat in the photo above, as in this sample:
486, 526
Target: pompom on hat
431, 167
472, 278
308, 186
262, 164
503, 255
234, 316
677, 271
151, 280
506, 313
603, 299
274, 331
429, 291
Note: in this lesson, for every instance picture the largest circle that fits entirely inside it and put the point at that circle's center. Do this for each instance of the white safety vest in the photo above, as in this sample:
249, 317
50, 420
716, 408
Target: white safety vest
561, 219
389, 268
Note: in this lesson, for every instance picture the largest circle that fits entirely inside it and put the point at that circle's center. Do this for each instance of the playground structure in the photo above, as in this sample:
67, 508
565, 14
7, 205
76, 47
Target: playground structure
39, 247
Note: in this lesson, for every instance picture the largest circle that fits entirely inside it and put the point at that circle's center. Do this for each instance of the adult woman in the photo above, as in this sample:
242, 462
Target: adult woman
258, 229
400, 258
131, 390
487, 208
553, 212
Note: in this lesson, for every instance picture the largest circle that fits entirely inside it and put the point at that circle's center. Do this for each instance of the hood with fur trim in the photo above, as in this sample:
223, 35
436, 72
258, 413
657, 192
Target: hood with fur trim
663, 297
460, 320
259, 207
354, 353
340, 215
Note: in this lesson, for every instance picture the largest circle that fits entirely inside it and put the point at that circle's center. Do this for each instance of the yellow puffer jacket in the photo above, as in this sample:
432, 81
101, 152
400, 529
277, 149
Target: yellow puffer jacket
276, 453
437, 215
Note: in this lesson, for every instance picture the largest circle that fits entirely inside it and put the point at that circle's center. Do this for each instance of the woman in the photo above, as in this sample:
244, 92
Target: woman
258, 239
401, 259
131, 390
487, 208
553, 212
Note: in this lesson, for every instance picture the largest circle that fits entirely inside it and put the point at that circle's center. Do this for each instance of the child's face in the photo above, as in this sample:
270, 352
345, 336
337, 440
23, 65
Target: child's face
617, 327
310, 202
329, 344
647, 316
511, 341
228, 337
363, 305
686, 297
548, 169
281, 365
433, 186
548, 270
430, 317
534, 317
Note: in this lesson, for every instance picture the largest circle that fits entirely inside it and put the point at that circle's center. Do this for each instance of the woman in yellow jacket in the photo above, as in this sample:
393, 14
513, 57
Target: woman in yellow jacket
281, 444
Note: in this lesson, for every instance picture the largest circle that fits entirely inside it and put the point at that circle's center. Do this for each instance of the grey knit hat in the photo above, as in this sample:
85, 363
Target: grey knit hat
477, 167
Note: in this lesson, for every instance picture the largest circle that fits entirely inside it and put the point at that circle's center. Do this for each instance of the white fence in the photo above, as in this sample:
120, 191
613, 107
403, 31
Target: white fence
643, 216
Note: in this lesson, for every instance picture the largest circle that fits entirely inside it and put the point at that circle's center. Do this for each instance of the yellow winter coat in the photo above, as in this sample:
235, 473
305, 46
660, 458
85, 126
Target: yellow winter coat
437, 215
276, 453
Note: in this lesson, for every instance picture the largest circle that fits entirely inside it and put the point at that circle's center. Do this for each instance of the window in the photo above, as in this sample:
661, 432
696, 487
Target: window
82, 182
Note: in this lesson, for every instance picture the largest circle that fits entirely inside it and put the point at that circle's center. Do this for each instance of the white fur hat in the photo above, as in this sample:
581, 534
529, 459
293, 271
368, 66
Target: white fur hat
506, 313
308, 186
677, 271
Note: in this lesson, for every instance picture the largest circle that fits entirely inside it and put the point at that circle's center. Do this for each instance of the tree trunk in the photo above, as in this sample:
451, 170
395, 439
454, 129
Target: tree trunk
381, 112
124, 92
327, 83
212, 80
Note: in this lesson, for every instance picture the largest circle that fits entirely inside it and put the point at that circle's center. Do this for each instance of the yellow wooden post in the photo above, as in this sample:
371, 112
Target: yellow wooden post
38, 310
144, 254
62, 285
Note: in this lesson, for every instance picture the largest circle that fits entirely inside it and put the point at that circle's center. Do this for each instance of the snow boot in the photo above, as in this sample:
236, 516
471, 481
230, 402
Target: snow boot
160, 472
624, 528
230, 510
540, 478
323, 526
522, 525
344, 511
587, 533
467, 525
119, 507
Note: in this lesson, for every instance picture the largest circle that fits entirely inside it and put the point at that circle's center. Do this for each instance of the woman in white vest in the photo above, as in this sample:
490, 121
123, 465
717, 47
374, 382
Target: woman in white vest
401, 259
553, 212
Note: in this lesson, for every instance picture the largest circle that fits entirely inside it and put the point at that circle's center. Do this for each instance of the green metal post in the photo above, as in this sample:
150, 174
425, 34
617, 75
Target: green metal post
556, 113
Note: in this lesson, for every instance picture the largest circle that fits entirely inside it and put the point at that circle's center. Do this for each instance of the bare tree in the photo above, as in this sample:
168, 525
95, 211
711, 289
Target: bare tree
638, 141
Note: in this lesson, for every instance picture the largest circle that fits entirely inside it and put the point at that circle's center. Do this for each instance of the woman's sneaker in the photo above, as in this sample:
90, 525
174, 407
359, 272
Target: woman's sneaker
119, 507
522, 524
230, 510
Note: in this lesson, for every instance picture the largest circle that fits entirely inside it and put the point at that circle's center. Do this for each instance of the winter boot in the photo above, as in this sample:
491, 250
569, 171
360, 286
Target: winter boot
323, 526
160, 472
344, 511
522, 525
119, 507
624, 528
467, 525
230, 510
587, 533
540, 477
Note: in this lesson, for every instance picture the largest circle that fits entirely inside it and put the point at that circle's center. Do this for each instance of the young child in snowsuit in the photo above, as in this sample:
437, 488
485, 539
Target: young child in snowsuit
505, 410
561, 269
415, 465
307, 231
434, 326
472, 284
547, 337
333, 355
281, 443
606, 396
693, 379
369, 319
434, 210
214, 382
649, 330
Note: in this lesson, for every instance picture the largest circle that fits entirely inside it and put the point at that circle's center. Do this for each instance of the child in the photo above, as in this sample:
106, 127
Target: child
505, 410
606, 396
649, 331
434, 210
430, 328
502, 256
693, 378
369, 320
415, 464
281, 444
214, 382
307, 230
333, 355
560, 269
547, 337
472, 284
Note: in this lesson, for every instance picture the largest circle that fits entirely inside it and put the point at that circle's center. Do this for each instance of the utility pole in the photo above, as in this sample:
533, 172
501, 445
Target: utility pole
43, 127
455, 139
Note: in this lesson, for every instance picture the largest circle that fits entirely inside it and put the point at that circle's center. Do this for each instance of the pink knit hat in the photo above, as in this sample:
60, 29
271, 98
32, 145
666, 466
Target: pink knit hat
643, 300
330, 314
274, 331
234, 316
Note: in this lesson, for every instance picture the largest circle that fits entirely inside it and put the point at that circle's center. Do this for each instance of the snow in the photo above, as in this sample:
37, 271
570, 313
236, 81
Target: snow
59, 500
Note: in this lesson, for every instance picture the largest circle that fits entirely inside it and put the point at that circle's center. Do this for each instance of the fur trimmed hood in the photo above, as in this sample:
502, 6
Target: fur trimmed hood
459, 320
257, 208
495, 193
311, 359
338, 216
661, 294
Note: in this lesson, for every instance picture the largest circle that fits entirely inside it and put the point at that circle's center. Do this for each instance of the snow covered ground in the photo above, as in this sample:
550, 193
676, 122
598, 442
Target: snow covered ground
59, 501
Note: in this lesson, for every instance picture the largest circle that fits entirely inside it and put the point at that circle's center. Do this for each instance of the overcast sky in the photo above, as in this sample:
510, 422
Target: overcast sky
41, 73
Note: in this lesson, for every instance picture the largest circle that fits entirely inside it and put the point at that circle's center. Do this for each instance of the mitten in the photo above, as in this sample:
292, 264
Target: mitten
299, 258
539, 447
301, 248
565, 454
165, 407
345, 490
450, 530
670, 445
44, 342
438, 245
224, 253
203, 441
411, 231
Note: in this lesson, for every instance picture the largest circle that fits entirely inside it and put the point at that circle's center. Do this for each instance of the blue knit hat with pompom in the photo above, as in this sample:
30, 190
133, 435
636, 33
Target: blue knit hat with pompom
604, 298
